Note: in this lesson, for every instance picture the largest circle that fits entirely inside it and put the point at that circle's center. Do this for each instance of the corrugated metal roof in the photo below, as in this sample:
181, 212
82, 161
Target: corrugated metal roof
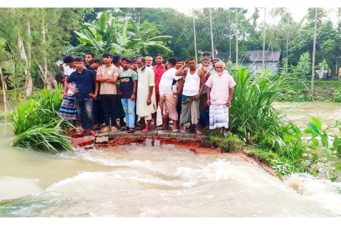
257, 56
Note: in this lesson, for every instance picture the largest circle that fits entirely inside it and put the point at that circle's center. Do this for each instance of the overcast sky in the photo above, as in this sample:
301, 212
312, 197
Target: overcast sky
297, 7
298, 13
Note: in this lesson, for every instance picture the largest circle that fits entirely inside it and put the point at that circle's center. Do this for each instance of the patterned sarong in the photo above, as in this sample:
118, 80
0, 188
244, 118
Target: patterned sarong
68, 109
167, 105
219, 116
189, 110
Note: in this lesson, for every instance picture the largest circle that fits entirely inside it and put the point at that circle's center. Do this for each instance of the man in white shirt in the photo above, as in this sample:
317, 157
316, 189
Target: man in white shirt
169, 93
219, 97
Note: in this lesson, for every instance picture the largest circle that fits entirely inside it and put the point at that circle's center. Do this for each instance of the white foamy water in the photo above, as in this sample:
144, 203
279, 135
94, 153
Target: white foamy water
12, 187
323, 192
147, 181
162, 181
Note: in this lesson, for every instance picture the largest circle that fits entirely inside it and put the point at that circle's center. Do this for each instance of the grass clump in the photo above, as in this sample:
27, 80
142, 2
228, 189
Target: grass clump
37, 125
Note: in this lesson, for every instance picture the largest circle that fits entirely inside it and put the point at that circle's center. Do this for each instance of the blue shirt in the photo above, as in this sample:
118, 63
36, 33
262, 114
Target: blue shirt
84, 81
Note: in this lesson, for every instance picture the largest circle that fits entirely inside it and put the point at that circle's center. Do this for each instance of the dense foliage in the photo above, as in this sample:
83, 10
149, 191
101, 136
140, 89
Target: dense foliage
36, 124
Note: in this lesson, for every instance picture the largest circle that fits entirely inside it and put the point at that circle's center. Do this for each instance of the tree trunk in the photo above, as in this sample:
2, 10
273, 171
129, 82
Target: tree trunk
4, 89
46, 75
28, 88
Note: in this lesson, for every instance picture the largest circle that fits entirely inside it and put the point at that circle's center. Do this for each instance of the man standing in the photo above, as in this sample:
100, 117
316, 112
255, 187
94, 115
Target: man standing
85, 91
149, 61
94, 64
159, 69
117, 61
169, 96
87, 58
128, 87
68, 110
193, 86
207, 67
145, 105
180, 84
107, 76
219, 97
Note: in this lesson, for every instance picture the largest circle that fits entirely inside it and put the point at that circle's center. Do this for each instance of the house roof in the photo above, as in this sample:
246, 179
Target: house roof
257, 56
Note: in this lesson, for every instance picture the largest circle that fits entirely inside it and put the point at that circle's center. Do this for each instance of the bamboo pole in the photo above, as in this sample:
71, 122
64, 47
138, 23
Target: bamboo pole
195, 37
264, 33
212, 43
314, 53
236, 39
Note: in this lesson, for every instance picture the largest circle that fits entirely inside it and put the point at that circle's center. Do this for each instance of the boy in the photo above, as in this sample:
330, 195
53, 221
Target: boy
128, 87
85, 91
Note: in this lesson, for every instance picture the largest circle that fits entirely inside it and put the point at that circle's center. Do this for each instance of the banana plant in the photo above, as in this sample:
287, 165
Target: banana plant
122, 36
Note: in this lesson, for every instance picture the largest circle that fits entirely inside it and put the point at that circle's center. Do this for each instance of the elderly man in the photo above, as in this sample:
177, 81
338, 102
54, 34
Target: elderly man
149, 61
146, 102
219, 97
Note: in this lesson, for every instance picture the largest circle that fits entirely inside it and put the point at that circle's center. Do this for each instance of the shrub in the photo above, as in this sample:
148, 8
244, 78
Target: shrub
337, 96
37, 125
43, 138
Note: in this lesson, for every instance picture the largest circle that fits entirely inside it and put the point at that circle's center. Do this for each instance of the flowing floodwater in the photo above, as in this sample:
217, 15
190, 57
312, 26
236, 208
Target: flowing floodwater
301, 112
142, 180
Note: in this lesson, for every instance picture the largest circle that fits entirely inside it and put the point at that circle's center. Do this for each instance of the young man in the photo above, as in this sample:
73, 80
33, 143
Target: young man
87, 58
94, 64
207, 68
107, 76
146, 102
119, 112
219, 97
85, 91
128, 87
179, 64
193, 86
169, 96
68, 110
133, 65
159, 70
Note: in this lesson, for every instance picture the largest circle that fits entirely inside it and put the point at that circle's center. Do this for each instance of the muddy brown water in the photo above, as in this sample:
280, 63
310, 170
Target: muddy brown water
138, 180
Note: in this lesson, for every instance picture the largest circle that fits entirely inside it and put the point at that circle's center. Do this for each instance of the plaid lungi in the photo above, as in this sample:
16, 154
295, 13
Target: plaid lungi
219, 116
68, 109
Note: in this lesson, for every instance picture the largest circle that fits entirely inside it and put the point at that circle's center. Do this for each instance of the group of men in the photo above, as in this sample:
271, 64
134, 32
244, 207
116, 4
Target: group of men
120, 93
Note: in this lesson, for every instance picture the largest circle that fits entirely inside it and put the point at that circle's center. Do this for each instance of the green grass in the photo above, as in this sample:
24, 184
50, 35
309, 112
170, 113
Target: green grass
300, 91
36, 124
227, 144
43, 138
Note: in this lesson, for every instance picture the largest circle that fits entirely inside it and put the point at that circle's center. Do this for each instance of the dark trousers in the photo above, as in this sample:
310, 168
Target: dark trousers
119, 108
98, 111
204, 117
85, 113
109, 106
178, 107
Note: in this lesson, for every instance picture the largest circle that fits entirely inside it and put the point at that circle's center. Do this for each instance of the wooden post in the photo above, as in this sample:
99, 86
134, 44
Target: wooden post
264, 29
212, 43
195, 37
314, 53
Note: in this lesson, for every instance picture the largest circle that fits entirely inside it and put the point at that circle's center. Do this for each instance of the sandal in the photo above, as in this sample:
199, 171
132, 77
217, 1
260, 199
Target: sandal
145, 130
183, 131
175, 130
198, 132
